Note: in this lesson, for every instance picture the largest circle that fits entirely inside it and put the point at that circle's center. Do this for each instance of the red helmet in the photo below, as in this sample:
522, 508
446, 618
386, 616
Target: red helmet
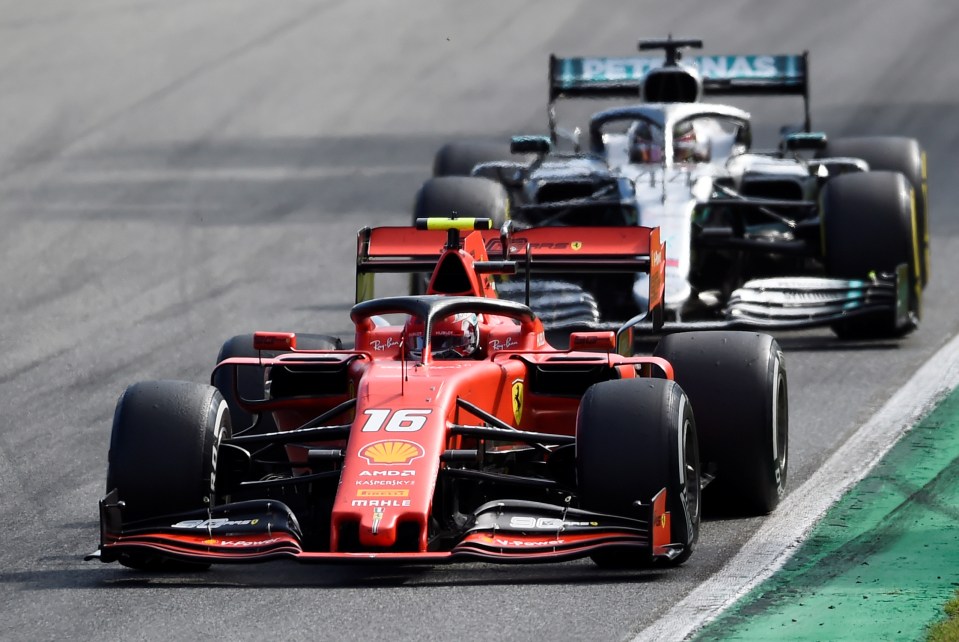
454, 337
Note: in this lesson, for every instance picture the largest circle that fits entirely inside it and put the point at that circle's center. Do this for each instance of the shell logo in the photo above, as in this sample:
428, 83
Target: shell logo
391, 452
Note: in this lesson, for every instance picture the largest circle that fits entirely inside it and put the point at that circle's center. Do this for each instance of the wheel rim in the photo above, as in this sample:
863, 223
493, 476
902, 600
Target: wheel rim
222, 429
691, 478
780, 428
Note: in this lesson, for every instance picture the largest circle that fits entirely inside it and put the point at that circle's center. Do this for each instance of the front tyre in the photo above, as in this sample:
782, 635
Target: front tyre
635, 437
163, 453
895, 154
869, 225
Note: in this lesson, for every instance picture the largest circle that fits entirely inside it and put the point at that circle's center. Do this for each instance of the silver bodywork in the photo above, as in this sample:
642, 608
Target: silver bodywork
668, 190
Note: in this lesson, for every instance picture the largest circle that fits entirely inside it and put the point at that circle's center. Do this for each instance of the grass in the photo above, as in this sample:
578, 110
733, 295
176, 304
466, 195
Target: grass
947, 630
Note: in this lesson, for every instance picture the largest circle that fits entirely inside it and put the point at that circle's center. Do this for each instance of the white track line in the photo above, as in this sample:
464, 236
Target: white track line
783, 531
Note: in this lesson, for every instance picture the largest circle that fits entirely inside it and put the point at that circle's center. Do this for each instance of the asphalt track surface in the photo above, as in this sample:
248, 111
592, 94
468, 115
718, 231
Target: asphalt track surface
173, 173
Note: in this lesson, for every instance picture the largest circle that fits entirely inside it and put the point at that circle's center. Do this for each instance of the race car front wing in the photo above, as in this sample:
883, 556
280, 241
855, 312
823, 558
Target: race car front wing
814, 301
787, 303
501, 531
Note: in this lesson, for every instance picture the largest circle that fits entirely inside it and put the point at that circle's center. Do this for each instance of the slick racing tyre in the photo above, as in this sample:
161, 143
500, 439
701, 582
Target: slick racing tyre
635, 437
249, 380
459, 158
894, 154
163, 453
869, 225
463, 197
736, 383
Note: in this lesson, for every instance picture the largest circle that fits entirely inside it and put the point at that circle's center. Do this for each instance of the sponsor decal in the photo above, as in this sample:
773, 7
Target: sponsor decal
521, 543
494, 245
517, 398
391, 452
496, 344
711, 67
540, 339
544, 523
662, 521
219, 522
387, 473
521, 245
381, 482
383, 503
243, 543
405, 420
383, 492
615, 68
377, 518
576, 246
739, 67
379, 344
518, 245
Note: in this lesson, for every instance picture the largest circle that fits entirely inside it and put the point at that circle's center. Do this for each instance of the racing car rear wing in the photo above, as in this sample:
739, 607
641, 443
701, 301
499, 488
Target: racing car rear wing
542, 250
622, 77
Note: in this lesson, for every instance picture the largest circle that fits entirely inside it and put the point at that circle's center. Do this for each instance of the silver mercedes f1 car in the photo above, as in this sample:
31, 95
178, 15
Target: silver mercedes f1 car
815, 232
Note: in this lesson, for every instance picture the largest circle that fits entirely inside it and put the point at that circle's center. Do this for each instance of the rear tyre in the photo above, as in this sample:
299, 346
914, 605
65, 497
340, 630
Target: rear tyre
895, 154
464, 197
736, 382
869, 224
249, 380
163, 453
635, 437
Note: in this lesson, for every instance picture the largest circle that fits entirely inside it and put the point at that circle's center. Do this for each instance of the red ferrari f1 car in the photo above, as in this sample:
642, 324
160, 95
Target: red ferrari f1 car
455, 433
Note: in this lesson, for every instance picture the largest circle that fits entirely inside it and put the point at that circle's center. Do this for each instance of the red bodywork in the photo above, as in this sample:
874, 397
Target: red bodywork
407, 419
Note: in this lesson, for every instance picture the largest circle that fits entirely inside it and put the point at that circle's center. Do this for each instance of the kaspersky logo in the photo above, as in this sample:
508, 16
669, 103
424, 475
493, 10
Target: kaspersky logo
391, 452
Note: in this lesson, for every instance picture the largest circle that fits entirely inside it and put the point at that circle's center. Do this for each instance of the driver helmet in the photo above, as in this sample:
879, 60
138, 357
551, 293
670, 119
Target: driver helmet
645, 144
685, 143
454, 337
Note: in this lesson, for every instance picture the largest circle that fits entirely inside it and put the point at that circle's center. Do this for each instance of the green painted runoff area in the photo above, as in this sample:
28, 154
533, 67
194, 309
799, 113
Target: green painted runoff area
881, 563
